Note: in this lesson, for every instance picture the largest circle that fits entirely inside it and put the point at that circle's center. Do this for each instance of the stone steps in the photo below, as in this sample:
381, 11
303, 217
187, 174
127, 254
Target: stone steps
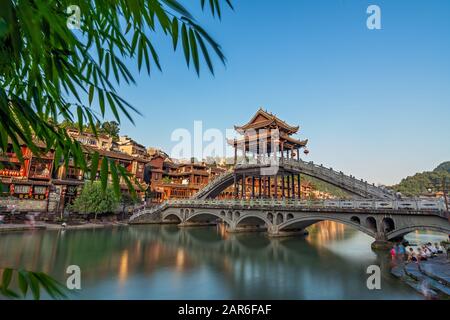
424, 281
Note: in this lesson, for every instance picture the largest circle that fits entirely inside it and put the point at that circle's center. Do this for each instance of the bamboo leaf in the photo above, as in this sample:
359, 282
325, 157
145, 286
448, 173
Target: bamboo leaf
104, 173
185, 41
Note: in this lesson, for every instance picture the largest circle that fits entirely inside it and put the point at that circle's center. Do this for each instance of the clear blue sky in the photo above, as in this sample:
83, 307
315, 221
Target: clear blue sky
375, 104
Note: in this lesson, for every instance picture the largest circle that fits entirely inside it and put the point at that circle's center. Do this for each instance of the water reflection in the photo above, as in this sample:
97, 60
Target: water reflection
164, 262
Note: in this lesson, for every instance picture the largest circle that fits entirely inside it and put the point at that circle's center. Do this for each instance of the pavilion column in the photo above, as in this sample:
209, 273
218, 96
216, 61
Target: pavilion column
282, 186
253, 187
282, 151
235, 152
259, 187
235, 186
243, 187
268, 187
298, 154
293, 186
288, 187
299, 186
276, 187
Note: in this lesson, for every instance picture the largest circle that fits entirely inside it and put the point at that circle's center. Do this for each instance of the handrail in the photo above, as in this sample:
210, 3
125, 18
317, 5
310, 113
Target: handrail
413, 204
330, 173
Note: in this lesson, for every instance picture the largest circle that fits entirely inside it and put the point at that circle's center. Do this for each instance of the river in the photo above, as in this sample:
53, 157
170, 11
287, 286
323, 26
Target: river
165, 262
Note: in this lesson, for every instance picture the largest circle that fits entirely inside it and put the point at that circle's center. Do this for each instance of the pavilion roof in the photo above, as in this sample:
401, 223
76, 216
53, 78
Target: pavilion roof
263, 119
289, 142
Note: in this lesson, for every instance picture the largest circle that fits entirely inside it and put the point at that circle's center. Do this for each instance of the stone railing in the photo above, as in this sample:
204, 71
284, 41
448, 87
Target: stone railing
407, 204
338, 178
149, 211
212, 184
432, 206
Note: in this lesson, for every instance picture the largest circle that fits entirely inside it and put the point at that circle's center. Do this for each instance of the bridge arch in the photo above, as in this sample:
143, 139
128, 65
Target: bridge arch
371, 223
253, 219
356, 220
398, 233
172, 216
349, 184
388, 224
213, 214
305, 222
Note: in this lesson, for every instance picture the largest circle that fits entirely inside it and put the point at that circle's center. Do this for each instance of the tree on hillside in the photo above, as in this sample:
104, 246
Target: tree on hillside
112, 129
444, 166
94, 199
419, 183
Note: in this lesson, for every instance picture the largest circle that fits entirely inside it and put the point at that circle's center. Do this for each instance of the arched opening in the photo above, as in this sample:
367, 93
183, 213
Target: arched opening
251, 223
172, 218
355, 220
270, 217
290, 216
388, 224
204, 218
237, 215
229, 215
420, 234
325, 229
222, 213
280, 218
371, 223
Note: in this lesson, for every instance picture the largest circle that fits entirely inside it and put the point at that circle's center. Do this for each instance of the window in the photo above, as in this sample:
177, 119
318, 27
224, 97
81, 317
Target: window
21, 189
40, 190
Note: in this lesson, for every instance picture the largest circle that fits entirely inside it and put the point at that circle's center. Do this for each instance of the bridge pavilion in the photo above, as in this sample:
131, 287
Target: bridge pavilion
266, 144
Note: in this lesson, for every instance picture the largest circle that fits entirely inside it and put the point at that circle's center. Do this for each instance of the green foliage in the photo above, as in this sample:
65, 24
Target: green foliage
111, 128
419, 183
50, 73
444, 166
28, 281
166, 180
95, 199
325, 187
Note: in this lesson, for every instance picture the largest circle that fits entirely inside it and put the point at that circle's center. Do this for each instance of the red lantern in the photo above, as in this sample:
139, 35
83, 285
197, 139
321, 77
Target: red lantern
11, 189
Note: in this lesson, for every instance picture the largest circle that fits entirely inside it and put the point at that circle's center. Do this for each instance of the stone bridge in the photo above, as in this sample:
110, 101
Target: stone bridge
383, 220
358, 188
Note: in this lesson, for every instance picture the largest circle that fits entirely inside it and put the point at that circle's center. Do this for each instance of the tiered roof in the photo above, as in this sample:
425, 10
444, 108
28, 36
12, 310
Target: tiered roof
264, 120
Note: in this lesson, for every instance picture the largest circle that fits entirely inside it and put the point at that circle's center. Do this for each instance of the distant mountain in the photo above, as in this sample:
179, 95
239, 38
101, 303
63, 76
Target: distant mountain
419, 183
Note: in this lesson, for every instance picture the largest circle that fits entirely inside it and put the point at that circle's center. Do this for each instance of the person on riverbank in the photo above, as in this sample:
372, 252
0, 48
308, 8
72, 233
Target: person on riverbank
439, 248
412, 256
422, 256
31, 220
401, 252
427, 251
393, 252
432, 249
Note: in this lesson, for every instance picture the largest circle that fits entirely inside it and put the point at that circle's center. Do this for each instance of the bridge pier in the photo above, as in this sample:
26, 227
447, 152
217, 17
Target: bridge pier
274, 232
288, 233
249, 228
381, 242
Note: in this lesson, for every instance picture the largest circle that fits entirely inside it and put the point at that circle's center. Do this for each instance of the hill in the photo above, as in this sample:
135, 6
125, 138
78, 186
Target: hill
420, 182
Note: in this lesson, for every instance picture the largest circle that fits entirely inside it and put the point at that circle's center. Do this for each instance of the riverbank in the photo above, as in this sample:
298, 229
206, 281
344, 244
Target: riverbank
430, 278
53, 226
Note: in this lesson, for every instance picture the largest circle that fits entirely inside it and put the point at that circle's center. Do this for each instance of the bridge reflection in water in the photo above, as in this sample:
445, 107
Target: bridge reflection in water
165, 262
